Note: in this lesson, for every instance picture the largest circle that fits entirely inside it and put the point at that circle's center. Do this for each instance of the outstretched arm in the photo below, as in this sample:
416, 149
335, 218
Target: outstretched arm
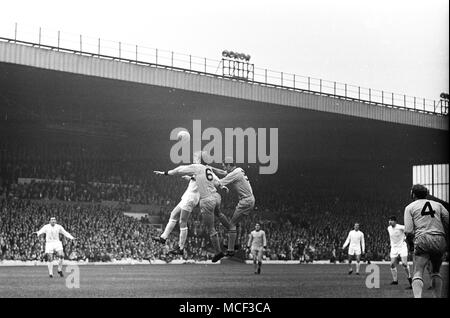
180, 171
40, 232
188, 178
230, 178
219, 185
219, 172
409, 229
66, 234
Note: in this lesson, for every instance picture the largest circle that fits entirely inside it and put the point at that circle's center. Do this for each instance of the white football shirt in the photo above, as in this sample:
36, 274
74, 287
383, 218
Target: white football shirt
397, 235
205, 178
258, 239
355, 239
52, 232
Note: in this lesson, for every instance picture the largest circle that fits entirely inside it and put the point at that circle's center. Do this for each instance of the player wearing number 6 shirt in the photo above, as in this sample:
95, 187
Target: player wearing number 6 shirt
357, 246
236, 178
426, 229
53, 244
257, 242
210, 200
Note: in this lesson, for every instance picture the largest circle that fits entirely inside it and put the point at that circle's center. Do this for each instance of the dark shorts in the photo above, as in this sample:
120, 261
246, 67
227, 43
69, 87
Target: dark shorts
243, 209
245, 206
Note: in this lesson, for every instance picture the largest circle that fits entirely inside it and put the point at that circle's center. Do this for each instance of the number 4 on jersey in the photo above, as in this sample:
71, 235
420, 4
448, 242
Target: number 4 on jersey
427, 210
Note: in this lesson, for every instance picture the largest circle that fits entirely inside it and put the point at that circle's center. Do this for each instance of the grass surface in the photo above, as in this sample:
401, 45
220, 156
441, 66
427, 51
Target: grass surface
202, 281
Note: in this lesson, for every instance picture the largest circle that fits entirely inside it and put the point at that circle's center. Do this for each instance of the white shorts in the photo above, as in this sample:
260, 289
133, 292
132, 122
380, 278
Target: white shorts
401, 251
354, 250
189, 202
52, 247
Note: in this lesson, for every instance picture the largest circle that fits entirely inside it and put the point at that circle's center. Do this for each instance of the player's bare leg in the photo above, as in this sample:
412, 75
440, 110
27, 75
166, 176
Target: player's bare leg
255, 262
50, 264
208, 221
223, 220
350, 270
173, 220
394, 261
429, 270
358, 260
260, 253
417, 282
407, 271
302, 258
60, 263
179, 250
237, 244
232, 233
436, 279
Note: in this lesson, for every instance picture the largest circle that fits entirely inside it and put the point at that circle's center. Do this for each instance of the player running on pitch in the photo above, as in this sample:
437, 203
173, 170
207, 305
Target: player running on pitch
236, 177
257, 243
426, 229
209, 198
357, 247
398, 249
53, 244
181, 214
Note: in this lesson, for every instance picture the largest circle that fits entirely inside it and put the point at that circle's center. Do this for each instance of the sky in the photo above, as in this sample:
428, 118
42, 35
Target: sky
400, 46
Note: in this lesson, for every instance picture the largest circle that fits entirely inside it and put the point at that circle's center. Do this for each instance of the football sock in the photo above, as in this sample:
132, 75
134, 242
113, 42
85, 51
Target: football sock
183, 236
417, 286
231, 239
394, 274
50, 268
224, 221
408, 273
357, 267
436, 283
169, 228
60, 264
215, 242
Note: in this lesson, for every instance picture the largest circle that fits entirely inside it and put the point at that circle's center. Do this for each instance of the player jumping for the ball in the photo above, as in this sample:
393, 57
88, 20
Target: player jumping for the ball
209, 198
357, 247
239, 182
398, 249
181, 214
426, 229
257, 243
53, 244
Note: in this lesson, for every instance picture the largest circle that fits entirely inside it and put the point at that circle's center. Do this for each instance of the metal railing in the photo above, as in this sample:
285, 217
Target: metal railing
139, 54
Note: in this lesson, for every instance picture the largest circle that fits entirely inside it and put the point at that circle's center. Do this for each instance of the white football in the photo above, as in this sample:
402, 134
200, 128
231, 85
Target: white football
183, 135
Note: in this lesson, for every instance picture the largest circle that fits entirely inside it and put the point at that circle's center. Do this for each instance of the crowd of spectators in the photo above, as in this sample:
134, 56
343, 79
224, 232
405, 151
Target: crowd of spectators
72, 184
101, 233
104, 233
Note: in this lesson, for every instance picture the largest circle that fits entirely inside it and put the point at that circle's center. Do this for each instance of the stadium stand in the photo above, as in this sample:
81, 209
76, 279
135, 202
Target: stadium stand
64, 156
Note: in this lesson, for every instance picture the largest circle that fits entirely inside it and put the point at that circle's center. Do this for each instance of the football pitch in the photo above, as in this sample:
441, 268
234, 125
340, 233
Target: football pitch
204, 281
